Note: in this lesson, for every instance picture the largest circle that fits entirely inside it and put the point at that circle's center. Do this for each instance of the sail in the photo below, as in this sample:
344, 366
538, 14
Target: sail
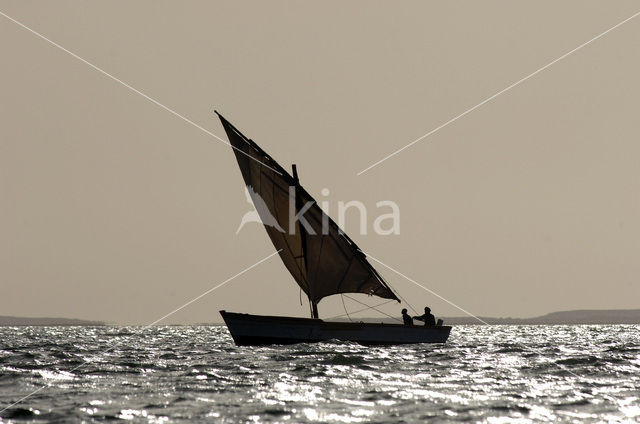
321, 258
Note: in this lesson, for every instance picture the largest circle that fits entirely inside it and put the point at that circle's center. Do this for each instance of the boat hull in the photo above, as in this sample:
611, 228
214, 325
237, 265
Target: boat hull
255, 330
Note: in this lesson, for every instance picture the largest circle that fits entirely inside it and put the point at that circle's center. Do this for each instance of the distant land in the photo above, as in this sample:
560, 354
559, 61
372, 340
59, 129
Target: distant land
8, 321
585, 316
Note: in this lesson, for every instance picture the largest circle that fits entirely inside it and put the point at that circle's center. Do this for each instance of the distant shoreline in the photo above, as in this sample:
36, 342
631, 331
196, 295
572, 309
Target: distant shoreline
576, 317
584, 316
10, 321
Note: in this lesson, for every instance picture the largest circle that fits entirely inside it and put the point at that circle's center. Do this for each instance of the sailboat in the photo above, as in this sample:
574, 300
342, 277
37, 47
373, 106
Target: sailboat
322, 259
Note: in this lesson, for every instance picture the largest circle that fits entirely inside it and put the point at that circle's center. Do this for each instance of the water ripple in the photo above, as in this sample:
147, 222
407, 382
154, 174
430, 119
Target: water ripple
185, 374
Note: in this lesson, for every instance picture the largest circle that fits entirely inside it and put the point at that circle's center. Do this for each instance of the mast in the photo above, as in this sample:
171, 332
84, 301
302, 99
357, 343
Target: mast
313, 306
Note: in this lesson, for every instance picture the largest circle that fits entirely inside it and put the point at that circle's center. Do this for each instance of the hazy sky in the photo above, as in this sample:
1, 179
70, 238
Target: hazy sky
114, 209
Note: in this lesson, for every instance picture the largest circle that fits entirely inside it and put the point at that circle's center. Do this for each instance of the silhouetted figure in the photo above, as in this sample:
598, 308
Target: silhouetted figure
428, 317
406, 318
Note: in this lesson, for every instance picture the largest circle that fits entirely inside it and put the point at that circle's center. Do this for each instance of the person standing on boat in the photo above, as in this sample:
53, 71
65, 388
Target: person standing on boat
428, 317
406, 318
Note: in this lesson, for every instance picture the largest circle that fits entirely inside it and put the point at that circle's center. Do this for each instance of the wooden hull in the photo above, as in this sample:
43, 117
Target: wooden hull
253, 330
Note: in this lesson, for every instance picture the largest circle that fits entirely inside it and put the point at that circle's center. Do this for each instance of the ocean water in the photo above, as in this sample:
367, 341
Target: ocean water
196, 374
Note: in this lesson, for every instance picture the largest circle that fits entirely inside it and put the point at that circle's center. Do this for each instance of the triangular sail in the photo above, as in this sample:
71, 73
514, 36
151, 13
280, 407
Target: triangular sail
324, 261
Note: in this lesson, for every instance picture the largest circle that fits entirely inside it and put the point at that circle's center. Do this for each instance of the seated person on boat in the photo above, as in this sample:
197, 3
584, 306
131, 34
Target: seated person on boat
406, 318
428, 317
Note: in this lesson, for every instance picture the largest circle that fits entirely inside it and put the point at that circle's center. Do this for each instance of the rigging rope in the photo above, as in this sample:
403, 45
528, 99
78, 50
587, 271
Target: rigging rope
374, 308
345, 307
379, 278
405, 301
363, 309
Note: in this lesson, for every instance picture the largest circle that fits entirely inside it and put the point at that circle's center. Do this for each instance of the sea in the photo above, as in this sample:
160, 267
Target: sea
492, 374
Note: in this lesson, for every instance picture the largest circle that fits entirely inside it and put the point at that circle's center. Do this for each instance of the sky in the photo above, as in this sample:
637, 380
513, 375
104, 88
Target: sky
114, 209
